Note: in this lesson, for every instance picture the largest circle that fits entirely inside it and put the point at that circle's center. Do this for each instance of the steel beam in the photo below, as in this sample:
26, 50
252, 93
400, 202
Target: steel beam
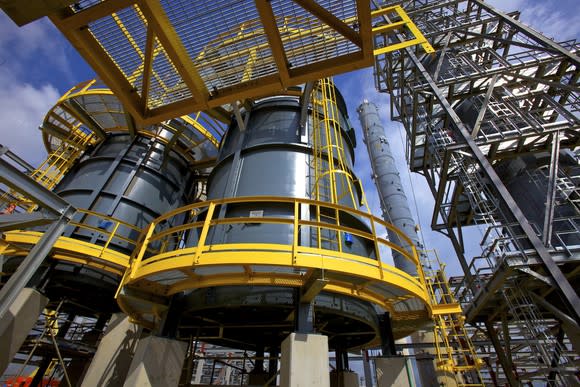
31, 263
24, 220
551, 191
79, 110
330, 19
534, 35
268, 20
483, 109
555, 311
22, 183
14, 157
503, 360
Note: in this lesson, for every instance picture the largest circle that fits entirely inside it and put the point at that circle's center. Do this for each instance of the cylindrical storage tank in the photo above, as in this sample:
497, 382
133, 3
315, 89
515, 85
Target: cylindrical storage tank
527, 177
273, 156
128, 179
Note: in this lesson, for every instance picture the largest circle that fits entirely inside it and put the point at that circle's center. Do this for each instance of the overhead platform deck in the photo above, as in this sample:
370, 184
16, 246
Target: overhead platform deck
163, 59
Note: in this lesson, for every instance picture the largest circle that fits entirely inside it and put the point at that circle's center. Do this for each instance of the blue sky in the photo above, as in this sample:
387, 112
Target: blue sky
37, 66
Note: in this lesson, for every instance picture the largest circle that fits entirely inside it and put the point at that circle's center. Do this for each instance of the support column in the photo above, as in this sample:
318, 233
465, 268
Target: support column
426, 361
304, 361
342, 376
504, 360
17, 323
111, 362
344, 379
392, 371
158, 362
258, 376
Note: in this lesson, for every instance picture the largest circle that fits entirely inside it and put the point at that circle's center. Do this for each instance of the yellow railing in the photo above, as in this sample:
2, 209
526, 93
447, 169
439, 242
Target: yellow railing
117, 227
109, 231
166, 250
199, 128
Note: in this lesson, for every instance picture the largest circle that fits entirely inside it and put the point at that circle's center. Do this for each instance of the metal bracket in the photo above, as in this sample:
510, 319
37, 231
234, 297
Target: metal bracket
536, 275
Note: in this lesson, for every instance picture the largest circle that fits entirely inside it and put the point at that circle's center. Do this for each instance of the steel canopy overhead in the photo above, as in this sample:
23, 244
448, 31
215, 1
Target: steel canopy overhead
163, 58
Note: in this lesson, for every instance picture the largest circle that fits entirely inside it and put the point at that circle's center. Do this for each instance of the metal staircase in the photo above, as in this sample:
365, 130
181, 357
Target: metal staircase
453, 347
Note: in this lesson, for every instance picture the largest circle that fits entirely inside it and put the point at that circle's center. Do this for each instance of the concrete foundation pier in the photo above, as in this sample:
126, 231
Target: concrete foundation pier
158, 362
17, 323
344, 379
111, 362
304, 361
392, 371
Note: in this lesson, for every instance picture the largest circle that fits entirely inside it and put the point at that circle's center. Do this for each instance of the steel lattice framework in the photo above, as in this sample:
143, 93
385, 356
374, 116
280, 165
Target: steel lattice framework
522, 94
163, 59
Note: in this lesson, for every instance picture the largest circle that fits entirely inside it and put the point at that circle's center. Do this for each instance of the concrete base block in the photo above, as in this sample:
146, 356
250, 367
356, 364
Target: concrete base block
158, 362
344, 379
426, 369
111, 362
392, 371
18, 322
304, 361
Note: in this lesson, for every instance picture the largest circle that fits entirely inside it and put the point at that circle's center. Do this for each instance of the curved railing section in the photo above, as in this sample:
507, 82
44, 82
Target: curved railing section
90, 109
102, 252
175, 256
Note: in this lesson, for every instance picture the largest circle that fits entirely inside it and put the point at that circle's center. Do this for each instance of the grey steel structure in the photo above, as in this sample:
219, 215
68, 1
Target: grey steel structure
495, 108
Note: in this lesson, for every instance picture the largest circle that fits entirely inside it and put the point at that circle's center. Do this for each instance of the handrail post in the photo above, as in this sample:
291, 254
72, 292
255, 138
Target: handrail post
377, 248
135, 264
111, 235
204, 232
295, 231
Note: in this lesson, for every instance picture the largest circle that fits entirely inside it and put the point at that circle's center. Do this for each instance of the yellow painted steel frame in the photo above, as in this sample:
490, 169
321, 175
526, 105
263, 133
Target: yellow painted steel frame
163, 265
69, 121
18, 243
159, 73
404, 26
453, 347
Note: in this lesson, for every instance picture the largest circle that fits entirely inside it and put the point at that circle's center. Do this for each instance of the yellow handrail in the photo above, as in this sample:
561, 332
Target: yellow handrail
159, 235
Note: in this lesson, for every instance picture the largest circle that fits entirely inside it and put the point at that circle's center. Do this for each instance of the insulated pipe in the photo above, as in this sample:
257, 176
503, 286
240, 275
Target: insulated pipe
392, 196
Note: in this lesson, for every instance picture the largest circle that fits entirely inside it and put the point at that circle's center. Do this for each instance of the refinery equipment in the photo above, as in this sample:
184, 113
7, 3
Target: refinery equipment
118, 178
265, 245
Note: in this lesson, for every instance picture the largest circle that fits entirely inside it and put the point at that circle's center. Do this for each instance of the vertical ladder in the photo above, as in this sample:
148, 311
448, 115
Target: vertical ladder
333, 181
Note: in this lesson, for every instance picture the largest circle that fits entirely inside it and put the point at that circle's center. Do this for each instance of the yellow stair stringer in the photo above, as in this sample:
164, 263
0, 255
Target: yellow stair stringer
51, 170
454, 349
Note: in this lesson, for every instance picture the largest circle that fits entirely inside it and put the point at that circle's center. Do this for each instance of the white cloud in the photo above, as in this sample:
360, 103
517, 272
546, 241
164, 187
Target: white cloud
23, 100
550, 17
37, 43
22, 108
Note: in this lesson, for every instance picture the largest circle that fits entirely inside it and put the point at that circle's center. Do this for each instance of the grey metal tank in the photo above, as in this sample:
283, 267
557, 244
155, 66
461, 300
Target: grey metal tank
273, 157
388, 182
527, 177
128, 179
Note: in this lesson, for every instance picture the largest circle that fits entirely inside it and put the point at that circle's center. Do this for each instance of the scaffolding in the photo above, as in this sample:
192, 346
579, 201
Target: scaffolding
497, 91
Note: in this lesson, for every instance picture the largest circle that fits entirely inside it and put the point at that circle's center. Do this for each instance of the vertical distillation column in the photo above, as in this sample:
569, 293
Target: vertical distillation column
394, 202
457, 359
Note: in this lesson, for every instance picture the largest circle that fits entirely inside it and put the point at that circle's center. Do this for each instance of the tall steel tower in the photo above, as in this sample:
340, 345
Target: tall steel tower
492, 123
